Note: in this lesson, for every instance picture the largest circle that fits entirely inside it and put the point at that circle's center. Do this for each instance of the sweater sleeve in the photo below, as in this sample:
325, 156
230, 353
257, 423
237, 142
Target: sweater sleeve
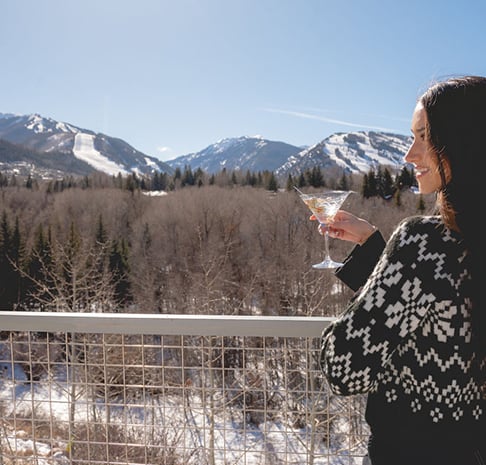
388, 308
359, 264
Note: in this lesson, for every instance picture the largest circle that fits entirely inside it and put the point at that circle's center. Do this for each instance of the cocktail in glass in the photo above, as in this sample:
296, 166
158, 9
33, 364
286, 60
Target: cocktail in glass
324, 205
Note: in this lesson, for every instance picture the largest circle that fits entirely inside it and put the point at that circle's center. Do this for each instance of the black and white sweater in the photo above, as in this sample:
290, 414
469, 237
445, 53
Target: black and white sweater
405, 338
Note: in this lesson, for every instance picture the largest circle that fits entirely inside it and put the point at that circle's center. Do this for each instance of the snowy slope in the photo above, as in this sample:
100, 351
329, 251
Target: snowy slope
98, 151
84, 150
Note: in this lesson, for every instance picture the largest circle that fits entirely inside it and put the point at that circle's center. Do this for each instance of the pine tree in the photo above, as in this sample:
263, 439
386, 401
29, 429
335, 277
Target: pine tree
120, 270
369, 185
343, 184
101, 236
272, 184
39, 265
28, 182
199, 177
11, 261
386, 184
17, 258
301, 182
290, 183
5, 267
187, 178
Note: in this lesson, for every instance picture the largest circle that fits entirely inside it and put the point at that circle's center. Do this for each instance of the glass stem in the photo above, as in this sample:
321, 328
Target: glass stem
326, 245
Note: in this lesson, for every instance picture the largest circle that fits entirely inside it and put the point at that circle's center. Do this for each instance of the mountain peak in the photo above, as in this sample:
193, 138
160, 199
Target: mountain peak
84, 151
353, 152
246, 153
81, 151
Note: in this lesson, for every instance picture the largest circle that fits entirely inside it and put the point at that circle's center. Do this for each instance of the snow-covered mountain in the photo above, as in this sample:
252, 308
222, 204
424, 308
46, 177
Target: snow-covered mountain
354, 152
84, 151
52, 148
239, 153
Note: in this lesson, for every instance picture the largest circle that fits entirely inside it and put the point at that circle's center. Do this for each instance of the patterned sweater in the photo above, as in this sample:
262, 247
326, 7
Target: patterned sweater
405, 337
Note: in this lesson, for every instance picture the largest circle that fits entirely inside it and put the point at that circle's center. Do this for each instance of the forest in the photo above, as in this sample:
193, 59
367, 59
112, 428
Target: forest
230, 243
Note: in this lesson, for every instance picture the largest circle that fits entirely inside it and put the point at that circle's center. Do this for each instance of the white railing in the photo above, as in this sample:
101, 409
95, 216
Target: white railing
169, 390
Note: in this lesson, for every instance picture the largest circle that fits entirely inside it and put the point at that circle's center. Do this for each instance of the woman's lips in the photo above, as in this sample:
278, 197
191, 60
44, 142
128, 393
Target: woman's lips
421, 172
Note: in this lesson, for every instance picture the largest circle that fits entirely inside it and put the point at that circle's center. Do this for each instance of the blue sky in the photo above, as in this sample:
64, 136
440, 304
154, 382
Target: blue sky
172, 77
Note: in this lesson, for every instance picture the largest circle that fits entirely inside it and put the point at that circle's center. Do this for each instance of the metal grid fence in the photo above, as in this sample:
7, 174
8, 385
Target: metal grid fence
170, 390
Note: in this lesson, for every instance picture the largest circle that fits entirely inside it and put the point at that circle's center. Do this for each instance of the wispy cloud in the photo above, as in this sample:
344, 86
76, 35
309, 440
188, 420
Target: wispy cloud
325, 119
164, 149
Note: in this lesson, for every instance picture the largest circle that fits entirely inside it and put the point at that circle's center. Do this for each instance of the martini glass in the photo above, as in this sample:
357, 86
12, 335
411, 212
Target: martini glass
324, 205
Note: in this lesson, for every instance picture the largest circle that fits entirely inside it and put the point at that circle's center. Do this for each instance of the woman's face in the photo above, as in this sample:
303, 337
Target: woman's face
421, 155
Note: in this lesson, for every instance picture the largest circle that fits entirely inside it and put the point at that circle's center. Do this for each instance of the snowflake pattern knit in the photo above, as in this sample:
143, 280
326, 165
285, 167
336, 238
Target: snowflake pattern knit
405, 337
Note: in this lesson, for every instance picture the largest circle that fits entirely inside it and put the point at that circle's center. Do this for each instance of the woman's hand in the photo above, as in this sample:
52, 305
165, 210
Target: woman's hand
348, 227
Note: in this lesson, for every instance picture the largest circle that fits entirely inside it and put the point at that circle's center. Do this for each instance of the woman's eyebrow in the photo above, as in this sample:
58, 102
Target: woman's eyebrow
418, 131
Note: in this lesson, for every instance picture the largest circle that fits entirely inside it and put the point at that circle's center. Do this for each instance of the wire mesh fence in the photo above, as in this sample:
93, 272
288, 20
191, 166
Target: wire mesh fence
236, 397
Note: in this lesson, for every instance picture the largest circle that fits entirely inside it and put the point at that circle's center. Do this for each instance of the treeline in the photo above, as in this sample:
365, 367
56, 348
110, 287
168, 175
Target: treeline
206, 250
376, 183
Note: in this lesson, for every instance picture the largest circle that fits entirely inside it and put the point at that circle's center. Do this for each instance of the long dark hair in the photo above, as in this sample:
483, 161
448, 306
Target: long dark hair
456, 128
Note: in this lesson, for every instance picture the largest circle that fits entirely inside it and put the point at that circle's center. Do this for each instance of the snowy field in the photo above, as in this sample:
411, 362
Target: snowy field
112, 399
195, 430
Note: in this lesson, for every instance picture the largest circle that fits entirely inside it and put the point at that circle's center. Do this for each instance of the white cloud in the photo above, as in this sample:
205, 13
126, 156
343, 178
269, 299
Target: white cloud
324, 119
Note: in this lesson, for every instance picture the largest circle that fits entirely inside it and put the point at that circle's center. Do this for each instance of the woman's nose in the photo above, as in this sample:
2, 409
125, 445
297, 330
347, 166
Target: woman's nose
411, 153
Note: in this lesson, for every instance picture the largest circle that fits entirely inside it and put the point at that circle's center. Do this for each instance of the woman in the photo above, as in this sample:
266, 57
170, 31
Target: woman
413, 338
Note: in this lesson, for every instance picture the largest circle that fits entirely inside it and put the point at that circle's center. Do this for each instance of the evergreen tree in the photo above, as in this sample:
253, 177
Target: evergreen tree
5, 267
301, 182
177, 174
29, 182
39, 265
143, 184
370, 185
72, 251
17, 258
132, 182
259, 181
290, 183
11, 258
86, 183
386, 184
272, 184
101, 236
343, 183
120, 270
365, 187
187, 178
199, 177
315, 177
118, 181
405, 178
251, 179
146, 238
3, 180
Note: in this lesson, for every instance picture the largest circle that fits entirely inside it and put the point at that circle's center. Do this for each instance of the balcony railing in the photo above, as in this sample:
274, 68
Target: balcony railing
170, 390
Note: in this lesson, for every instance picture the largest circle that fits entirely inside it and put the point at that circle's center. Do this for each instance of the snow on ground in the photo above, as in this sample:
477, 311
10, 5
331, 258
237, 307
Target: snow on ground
183, 422
150, 162
155, 193
84, 150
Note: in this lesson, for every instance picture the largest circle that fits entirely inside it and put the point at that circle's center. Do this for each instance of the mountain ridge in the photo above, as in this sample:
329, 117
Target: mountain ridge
72, 150
97, 150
